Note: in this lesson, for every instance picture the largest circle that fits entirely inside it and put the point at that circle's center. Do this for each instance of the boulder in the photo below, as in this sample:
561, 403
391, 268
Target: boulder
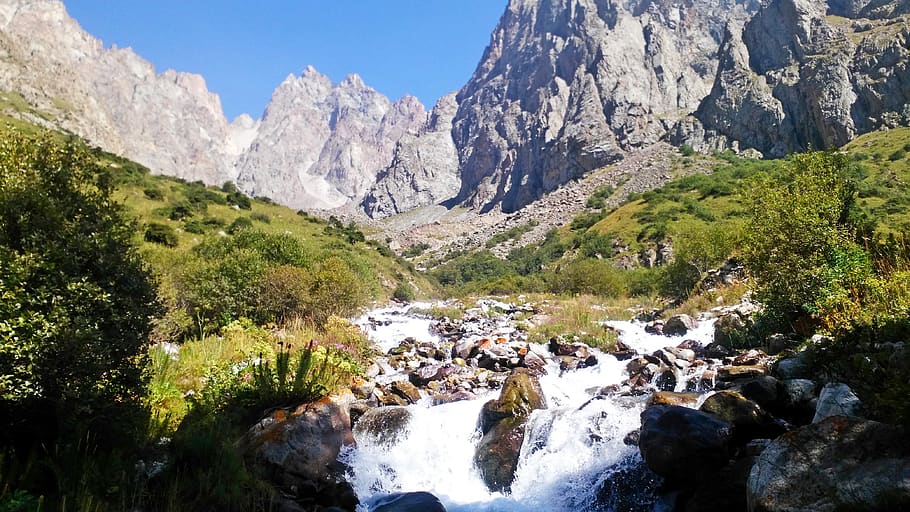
794, 367
671, 398
765, 391
384, 424
679, 325
406, 502
502, 422
628, 486
683, 445
725, 490
836, 399
297, 450
839, 463
749, 420
740, 372
799, 400
405, 390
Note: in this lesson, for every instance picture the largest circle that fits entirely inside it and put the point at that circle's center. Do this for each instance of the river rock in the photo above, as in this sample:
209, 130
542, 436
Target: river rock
799, 399
794, 367
679, 325
765, 391
407, 502
297, 449
384, 424
502, 422
740, 372
683, 445
725, 490
628, 486
671, 398
836, 399
405, 390
749, 420
839, 463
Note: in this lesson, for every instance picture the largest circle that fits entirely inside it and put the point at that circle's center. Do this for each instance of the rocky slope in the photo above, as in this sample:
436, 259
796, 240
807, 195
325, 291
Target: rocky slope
809, 74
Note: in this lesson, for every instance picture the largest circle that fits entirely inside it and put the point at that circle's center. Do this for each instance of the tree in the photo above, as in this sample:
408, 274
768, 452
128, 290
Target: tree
802, 221
75, 299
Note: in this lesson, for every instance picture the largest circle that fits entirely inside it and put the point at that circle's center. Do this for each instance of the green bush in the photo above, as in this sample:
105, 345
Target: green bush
686, 150
404, 292
261, 217
153, 193
162, 234
415, 250
588, 276
75, 302
240, 200
899, 154
239, 225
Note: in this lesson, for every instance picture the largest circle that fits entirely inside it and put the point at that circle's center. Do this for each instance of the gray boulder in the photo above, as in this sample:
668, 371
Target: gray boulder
839, 463
679, 325
836, 399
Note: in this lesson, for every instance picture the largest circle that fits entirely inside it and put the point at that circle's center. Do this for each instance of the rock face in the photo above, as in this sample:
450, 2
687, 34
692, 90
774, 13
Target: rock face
169, 122
793, 78
424, 168
839, 463
567, 86
502, 422
321, 145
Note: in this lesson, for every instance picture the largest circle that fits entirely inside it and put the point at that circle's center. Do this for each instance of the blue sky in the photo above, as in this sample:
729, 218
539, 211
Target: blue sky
245, 49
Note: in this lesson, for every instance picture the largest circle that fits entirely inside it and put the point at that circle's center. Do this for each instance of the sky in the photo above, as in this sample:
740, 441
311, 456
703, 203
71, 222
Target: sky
244, 49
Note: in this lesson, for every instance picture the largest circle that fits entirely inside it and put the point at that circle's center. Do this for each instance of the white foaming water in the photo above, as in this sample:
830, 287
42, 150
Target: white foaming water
391, 325
570, 448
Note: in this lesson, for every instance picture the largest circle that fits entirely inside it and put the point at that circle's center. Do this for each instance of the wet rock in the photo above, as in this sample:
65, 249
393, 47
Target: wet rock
656, 327
631, 439
384, 424
503, 423
671, 398
463, 349
455, 396
666, 381
297, 450
839, 463
836, 399
406, 502
799, 399
628, 486
679, 325
765, 391
748, 419
716, 351
755, 447
426, 374
405, 390
682, 444
622, 351
750, 357
740, 372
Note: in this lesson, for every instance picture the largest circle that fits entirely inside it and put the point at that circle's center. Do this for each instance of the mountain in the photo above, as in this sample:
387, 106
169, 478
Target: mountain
321, 145
805, 74
318, 145
564, 87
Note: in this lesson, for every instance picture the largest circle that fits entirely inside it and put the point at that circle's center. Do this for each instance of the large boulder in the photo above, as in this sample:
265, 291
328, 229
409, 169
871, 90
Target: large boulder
297, 449
502, 422
749, 420
406, 502
683, 445
385, 425
839, 463
679, 325
836, 399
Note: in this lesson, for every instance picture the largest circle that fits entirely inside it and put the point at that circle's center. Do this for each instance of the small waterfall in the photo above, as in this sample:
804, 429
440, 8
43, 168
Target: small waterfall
574, 457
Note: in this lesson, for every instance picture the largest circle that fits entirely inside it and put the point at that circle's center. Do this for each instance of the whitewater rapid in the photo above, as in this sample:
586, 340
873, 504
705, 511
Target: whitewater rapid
570, 448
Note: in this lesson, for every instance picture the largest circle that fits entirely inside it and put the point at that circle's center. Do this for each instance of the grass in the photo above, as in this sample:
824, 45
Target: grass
582, 317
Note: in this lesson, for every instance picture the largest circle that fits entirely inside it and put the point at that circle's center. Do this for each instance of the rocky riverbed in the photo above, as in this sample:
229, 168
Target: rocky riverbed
473, 413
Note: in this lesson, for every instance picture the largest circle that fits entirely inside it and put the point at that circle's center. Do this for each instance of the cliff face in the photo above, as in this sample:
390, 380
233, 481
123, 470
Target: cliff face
169, 122
567, 86
321, 145
805, 74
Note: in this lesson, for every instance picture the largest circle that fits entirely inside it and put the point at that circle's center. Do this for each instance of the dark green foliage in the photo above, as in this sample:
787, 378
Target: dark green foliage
163, 234
239, 225
478, 266
586, 220
176, 211
202, 226
598, 199
415, 250
240, 200
229, 187
264, 199
199, 197
350, 233
588, 276
75, 310
686, 150
899, 154
404, 292
275, 249
261, 217
513, 233
153, 193
529, 260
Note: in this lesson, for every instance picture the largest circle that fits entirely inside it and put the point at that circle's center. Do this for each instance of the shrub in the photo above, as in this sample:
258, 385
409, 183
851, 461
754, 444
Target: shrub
900, 154
76, 300
415, 250
261, 217
238, 199
161, 234
404, 292
218, 291
153, 193
283, 294
239, 225
588, 276
686, 150
336, 289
